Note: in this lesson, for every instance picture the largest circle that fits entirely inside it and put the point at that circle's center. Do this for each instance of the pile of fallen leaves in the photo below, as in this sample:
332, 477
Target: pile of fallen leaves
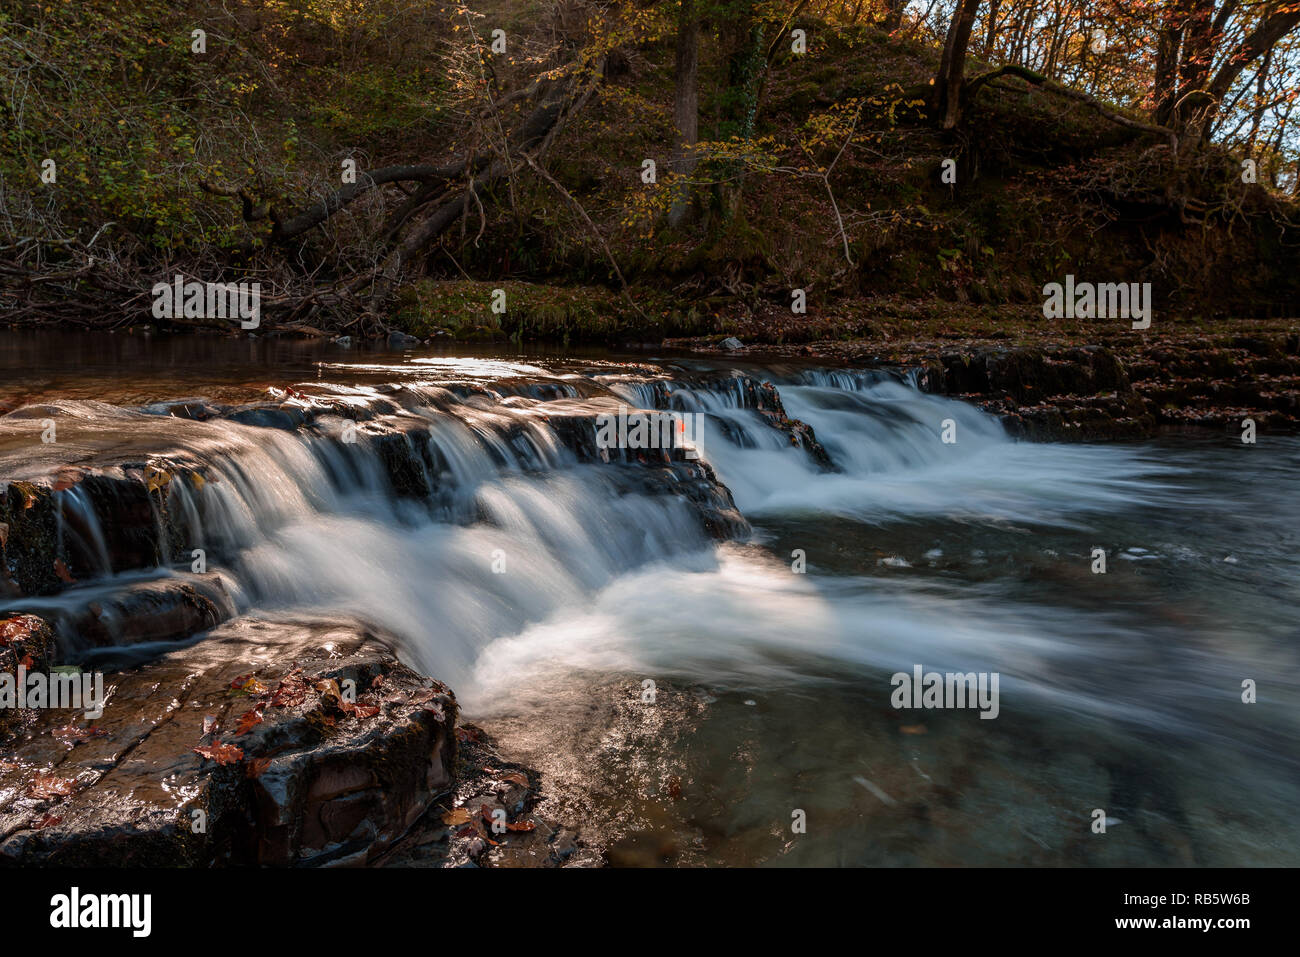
290, 692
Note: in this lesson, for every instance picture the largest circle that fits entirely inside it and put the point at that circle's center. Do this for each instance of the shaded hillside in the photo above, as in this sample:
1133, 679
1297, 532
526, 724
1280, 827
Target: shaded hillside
530, 178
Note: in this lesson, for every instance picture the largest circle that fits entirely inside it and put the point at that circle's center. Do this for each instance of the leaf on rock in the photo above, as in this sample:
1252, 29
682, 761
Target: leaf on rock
520, 825
18, 628
209, 725
247, 685
45, 787
290, 693
223, 754
156, 478
456, 816
61, 570
249, 720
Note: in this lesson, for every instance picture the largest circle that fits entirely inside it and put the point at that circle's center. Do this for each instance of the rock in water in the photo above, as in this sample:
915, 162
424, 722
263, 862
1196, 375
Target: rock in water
400, 340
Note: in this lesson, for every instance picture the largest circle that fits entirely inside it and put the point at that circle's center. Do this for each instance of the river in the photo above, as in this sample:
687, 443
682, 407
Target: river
697, 699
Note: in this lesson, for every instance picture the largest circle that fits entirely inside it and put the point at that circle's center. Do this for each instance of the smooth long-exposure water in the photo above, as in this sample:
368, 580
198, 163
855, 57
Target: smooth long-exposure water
548, 592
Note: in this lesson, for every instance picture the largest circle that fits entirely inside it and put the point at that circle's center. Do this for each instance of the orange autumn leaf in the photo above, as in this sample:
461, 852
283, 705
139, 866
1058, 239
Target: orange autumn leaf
249, 720
221, 753
61, 570
521, 825
290, 692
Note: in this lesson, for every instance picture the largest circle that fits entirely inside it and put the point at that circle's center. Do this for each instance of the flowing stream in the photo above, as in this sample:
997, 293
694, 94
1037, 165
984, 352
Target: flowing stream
547, 589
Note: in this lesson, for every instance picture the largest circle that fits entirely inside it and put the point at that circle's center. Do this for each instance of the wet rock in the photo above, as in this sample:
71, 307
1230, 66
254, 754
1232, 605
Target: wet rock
283, 417
80, 523
28, 641
731, 344
318, 780
400, 340
491, 818
168, 609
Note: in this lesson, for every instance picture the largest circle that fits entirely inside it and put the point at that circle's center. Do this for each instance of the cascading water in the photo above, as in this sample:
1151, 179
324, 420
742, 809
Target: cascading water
463, 510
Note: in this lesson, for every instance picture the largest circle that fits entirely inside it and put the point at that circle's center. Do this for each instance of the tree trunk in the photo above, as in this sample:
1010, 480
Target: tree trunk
991, 33
945, 100
686, 106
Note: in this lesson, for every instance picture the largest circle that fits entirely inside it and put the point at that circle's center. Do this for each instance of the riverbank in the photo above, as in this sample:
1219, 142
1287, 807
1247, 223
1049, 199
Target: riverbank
1089, 380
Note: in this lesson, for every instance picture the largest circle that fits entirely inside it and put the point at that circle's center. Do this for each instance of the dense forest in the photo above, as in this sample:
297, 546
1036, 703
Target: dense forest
633, 170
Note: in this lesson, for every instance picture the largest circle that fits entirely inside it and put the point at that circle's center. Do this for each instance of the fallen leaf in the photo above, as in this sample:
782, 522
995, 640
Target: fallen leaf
520, 825
16, 629
209, 725
46, 786
365, 711
912, 728
156, 478
248, 684
48, 820
290, 692
249, 720
223, 754
456, 816
515, 777
61, 570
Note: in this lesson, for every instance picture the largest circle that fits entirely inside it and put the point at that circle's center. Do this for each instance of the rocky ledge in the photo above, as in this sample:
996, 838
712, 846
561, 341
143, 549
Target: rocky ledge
1119, 386
265, 743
